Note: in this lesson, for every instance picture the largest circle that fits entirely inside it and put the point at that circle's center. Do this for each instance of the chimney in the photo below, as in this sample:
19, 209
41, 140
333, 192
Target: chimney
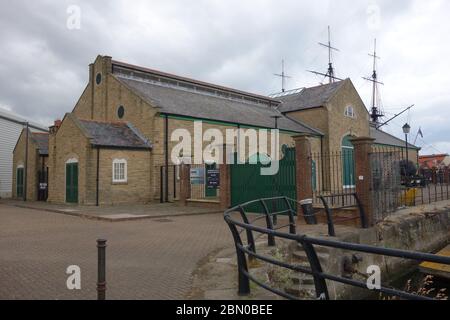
55, 127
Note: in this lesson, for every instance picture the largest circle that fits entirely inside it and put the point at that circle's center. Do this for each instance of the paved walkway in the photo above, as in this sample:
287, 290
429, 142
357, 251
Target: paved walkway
147, 259
115, 213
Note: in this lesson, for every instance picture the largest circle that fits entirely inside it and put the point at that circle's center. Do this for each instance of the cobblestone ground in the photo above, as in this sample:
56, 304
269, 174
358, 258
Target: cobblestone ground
146, 259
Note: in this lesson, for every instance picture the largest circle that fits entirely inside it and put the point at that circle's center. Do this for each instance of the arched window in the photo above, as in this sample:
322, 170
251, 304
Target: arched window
119, 171
350, 112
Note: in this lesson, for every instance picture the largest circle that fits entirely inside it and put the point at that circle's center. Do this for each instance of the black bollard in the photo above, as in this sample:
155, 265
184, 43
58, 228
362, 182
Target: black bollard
101, 276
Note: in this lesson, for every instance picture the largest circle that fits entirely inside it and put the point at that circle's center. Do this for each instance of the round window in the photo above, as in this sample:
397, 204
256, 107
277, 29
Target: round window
121, 112
98, 78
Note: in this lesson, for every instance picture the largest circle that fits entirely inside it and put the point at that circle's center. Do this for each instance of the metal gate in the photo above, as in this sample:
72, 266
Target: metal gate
248, 184
386, 183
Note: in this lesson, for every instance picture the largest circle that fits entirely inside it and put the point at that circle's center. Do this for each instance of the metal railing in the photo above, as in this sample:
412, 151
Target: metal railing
308, 243
328, 210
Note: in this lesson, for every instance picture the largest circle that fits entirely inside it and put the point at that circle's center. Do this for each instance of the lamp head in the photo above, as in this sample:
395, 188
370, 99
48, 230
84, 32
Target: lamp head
406, 129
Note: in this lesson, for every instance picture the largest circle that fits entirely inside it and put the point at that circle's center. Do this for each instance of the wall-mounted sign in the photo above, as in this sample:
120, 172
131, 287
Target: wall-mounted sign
212, 178
197, 176
42, 186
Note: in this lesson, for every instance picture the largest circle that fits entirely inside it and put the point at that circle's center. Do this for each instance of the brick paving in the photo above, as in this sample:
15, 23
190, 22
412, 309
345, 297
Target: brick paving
146, 259
118, 212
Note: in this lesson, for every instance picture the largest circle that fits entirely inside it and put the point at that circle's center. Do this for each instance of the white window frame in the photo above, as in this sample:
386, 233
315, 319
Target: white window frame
125, 171
351, 114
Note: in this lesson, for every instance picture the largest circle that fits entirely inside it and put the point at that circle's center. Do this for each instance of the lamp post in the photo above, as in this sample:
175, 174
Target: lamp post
406, 130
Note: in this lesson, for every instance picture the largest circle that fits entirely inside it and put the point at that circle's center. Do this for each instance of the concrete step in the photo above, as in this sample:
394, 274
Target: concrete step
302, 279
303, 291
300, 256
319, 249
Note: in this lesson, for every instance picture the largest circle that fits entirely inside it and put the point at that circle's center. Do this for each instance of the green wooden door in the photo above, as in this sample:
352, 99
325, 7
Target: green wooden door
210, 192
19, 182
348, 163
247, 183
72, 182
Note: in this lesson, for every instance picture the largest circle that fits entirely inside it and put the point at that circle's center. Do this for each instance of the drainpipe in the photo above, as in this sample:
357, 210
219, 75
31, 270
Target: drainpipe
166, 154
321, 161
25, 180
97, 178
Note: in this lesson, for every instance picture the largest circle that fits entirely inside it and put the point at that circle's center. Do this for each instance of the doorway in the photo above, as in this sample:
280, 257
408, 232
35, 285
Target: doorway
72, 182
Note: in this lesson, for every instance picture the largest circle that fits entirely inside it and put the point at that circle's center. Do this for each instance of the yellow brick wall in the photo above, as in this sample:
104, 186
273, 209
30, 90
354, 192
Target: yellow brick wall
137, 189
34, 165
83, 108
69, 142
340, 125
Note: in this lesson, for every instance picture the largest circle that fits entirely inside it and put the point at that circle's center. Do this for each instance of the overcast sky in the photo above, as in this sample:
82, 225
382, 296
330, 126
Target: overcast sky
45, 56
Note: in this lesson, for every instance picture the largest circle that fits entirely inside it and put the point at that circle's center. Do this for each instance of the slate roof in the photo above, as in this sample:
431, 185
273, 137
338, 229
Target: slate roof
177, 101
119, 67
41, 140
309, 98
114, 134
385, 138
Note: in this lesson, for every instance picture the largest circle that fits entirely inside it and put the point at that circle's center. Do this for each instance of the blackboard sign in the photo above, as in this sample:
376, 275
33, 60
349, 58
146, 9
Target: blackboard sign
212, 178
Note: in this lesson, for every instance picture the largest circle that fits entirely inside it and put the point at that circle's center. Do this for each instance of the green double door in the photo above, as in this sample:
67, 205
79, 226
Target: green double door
247, 183
72, 182
19, 182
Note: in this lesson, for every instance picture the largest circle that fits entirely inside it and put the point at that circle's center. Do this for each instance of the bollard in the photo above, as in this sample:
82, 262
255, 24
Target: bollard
308, 211
101, 276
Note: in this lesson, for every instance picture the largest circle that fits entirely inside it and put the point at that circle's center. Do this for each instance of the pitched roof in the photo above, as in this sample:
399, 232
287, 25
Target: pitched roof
309, 98
114, 134
177, 101
385, 138
120, 66
41, 140
4, 114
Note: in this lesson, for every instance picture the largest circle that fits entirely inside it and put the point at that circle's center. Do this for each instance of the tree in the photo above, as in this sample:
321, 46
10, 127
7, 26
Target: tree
407, 168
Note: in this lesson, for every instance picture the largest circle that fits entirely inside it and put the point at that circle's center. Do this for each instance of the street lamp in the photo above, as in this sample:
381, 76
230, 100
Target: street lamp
406, 131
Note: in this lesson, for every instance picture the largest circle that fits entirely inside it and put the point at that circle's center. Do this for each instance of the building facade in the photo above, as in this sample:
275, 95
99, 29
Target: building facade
116, 145
11, 127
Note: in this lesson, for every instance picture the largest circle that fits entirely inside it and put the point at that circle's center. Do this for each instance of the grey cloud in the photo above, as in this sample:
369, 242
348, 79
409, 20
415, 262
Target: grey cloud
44, 66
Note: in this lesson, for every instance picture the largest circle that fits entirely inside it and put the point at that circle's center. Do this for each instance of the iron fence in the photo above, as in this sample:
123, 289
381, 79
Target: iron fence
332, 174
246, 249
386, 181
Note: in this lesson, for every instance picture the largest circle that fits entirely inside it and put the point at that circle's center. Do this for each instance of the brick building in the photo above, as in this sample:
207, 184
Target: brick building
30, 161
115, 146
436, 167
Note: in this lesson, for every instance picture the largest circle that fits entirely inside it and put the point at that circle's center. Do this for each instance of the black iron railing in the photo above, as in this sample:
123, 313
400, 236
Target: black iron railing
320, 276
355, 204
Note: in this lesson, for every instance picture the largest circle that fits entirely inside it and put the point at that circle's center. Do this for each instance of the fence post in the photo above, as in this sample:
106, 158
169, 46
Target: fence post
101, 275
225, 180
303, 170
184, 184
363, 176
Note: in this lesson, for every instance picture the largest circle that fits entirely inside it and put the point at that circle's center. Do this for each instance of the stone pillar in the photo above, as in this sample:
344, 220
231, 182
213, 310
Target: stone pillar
303, 169
363, 175
225, 180
185, 184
